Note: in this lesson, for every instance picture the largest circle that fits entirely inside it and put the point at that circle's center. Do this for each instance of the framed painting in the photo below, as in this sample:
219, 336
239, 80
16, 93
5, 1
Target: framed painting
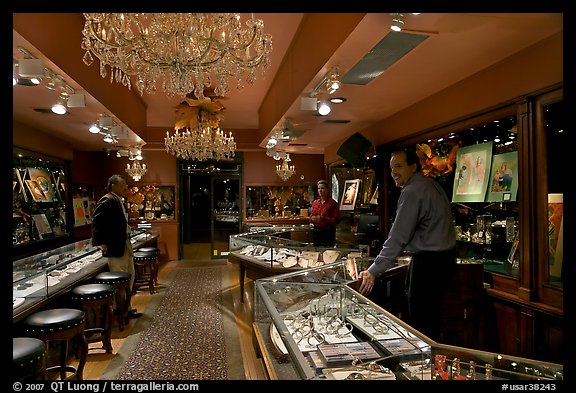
40, 185
367, 187
79, 213
350, 194
503, 178
472, 173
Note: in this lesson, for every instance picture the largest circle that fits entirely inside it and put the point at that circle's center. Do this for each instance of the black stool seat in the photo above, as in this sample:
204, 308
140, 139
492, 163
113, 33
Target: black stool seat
154, 250
62, 325
112, 278
55, 320
120, 281
96, 301
28, 358
92, 292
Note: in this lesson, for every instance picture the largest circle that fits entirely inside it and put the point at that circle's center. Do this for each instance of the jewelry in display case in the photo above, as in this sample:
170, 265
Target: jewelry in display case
307, 323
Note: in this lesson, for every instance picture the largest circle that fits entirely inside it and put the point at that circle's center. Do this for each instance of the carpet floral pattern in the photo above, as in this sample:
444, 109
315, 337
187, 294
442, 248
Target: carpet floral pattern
186, 337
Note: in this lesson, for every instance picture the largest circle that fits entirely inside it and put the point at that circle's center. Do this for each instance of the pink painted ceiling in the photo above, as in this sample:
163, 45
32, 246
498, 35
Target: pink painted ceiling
305, 47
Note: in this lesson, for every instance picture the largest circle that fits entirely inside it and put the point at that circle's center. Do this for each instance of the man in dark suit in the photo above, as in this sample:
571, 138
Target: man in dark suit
110, 232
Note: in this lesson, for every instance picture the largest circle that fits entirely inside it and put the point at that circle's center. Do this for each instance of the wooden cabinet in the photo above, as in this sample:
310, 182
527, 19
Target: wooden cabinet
462, 307
526, 331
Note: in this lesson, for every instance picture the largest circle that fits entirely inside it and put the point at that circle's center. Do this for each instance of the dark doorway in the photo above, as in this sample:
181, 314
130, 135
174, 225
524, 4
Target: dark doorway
196, 209
211, 208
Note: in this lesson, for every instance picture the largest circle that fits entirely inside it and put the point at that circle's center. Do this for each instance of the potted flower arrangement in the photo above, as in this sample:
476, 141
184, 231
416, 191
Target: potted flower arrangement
135, 200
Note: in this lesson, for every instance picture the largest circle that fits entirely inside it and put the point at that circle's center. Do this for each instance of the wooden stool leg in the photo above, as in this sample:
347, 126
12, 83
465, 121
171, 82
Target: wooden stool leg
83, 354
151, 286
108, 328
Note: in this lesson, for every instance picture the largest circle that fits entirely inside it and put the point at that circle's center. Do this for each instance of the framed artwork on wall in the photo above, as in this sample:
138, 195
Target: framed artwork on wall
503, 178
367, 187
472, 173
350, 194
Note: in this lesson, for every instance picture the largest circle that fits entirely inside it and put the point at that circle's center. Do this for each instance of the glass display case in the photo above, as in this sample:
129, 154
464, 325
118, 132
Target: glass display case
456, 363
285, 247
263, 202
38, 278
39, 210
312, 325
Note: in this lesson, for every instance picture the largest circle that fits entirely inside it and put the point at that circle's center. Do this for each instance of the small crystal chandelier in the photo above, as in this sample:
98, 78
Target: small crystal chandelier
136, 171
197, 135
188, 52
285, 171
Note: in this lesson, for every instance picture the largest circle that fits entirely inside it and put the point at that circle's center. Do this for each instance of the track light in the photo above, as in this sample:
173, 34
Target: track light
397, 22
94, 129
59, 108
324, 109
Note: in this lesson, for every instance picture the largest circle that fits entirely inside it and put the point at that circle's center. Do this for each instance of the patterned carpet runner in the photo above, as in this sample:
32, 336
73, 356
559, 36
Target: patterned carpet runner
186, 337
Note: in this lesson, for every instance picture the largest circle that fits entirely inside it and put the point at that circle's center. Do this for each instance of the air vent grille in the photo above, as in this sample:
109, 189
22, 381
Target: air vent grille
336, 121
388, 51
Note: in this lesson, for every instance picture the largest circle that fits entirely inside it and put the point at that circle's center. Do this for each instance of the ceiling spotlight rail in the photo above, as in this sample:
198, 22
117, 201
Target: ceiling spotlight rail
107, 126
180, 52
31, 71
327, 86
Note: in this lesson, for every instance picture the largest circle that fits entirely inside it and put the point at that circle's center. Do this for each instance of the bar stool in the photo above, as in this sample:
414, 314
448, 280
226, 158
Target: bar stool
145, 268
156, 251
96, 300
63, 326
28, 359
120, 281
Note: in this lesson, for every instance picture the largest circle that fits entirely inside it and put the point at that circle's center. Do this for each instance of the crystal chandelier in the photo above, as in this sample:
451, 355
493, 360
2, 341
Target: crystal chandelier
136, 171
187, 51
285, 171
197, 135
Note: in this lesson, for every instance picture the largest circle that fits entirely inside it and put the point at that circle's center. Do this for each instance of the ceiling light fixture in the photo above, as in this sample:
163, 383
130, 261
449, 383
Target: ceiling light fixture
324, 109
186, 52
285, 171
136, 171
329, 83
397, 22
337, 100
198, 136
59, 108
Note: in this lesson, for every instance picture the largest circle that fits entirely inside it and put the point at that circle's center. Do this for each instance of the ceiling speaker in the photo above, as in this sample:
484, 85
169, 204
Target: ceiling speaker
354, 149
31, 68
76, 101
308, 103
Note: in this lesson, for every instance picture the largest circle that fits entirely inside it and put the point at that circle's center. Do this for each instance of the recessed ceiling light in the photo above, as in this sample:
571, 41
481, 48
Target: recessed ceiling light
337, 100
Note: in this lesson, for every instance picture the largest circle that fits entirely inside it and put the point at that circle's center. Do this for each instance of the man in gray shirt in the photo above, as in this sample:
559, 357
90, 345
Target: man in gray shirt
424, 228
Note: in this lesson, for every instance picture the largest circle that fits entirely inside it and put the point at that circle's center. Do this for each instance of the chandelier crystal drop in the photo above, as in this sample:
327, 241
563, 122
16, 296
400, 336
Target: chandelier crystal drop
185, 52
285, 171
136, 171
